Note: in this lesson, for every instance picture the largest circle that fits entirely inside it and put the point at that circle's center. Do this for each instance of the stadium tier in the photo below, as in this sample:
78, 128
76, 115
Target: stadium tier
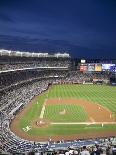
49, 105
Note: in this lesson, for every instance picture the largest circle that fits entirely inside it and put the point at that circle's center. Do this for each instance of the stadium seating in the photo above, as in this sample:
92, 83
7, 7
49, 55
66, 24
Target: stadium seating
23, 78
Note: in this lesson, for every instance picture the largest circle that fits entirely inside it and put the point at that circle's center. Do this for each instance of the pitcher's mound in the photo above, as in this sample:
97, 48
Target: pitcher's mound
62, 112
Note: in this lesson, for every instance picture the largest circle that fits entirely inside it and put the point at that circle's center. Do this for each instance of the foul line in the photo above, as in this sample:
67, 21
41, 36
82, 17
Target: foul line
86, 123
43, 110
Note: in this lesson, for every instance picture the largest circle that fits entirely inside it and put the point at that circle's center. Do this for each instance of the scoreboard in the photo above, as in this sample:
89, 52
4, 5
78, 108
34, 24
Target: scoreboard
91, 67
109, 67
83, 68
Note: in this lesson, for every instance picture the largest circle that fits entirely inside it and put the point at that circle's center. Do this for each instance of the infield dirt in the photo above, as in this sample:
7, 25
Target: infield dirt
96, 113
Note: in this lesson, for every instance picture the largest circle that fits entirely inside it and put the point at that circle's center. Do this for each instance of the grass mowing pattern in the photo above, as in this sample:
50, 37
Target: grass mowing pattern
54, 130
104, 95
74, 113
101, 94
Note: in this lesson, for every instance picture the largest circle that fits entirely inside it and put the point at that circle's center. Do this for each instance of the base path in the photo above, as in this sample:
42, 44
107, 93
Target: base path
97, 115
43, 110
76, 123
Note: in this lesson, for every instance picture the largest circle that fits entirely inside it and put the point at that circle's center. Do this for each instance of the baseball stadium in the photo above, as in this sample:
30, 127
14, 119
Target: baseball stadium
51, 102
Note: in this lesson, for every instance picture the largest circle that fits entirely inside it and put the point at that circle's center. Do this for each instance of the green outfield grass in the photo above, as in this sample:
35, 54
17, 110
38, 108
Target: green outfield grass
103, 95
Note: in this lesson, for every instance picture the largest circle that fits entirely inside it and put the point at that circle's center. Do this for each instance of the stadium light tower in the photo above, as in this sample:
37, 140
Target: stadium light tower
9, 52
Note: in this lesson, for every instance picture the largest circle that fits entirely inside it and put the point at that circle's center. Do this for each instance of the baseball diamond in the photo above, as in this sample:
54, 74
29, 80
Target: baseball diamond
57, 77
69, 110
47, 100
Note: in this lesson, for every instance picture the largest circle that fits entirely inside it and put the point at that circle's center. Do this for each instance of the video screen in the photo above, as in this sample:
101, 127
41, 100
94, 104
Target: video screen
91, 67
106, 67
98, 67
109, 67
83, 68
113, 68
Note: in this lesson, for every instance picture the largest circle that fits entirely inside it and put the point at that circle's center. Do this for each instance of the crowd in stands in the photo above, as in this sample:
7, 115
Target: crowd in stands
17, 88
23, 94
10, 78
9, 65
10, 100
80, 77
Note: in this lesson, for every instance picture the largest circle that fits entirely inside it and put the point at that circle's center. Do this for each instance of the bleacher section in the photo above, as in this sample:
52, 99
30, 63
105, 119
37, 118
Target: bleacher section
25, 75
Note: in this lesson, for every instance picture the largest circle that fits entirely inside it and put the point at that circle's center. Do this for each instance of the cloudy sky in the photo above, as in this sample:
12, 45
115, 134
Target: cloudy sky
84, 28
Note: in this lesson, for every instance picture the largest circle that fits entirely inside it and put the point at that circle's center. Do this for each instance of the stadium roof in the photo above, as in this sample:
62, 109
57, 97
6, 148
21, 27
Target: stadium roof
29, 54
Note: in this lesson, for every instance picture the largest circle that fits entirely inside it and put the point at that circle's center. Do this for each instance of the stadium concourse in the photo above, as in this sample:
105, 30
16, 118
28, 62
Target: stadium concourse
24, 75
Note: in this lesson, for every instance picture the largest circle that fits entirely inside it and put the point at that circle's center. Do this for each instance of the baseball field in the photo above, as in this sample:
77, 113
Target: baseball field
68, 111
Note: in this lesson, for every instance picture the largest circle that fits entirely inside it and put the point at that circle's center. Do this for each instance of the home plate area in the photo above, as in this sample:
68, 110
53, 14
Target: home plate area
27, 128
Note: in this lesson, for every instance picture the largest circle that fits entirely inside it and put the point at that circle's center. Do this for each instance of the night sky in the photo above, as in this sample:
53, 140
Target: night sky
84, 28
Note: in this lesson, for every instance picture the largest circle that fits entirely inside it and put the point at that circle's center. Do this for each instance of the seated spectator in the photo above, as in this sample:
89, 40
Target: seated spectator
95, 151
114, 150
85, 151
